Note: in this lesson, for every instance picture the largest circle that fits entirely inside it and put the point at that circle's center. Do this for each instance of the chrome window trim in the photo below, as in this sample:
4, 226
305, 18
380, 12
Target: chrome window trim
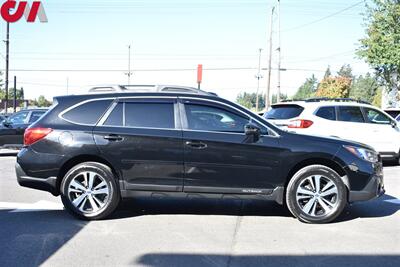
275, 134
108, 112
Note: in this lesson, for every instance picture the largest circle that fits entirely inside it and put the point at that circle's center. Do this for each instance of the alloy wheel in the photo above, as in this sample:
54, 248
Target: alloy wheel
317, 196
89, 192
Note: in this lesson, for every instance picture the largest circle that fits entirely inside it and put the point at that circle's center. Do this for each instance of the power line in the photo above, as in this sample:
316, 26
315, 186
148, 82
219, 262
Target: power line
323, 18
157, 70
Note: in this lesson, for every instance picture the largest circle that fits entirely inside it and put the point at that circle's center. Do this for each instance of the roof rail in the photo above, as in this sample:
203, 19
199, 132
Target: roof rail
336, 100
147, 88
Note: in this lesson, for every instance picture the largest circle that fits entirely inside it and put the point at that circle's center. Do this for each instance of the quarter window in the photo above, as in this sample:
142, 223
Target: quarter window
207, 118
327, 113
150, 115
88, 113
375, 116
350, 114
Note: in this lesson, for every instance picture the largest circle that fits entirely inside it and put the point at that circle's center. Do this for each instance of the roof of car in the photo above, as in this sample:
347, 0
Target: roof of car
317, 102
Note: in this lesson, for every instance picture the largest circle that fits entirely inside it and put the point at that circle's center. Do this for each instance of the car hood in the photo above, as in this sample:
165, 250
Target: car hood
330, 139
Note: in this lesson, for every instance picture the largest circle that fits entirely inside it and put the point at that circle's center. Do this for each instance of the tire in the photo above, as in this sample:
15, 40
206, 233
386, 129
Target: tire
324, 204
89, 191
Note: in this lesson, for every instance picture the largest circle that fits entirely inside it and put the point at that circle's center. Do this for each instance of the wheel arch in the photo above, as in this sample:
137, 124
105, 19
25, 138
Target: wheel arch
330, 163
81, 159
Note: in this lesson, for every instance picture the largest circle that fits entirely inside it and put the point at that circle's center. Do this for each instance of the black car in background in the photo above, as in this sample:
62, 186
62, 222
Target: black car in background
12, 128
94, 150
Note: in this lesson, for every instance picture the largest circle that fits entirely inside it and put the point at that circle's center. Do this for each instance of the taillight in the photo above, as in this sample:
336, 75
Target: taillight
300, 124
32, 135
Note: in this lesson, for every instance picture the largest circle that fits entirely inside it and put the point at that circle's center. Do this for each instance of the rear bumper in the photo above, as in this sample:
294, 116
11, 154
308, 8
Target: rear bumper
45, 184
375, 188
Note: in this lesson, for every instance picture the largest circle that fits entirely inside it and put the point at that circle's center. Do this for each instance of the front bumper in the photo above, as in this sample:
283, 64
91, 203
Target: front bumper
45, 184
375, 188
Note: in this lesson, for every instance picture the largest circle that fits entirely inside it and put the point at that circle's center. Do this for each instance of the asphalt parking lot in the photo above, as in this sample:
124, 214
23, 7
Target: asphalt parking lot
35, 230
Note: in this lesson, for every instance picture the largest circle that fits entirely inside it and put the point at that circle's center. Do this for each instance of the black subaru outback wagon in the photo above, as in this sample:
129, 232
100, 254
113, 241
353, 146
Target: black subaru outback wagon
94, 150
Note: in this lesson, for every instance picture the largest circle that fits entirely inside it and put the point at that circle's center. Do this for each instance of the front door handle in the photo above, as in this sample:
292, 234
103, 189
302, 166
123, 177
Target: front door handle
113, 137
196, 144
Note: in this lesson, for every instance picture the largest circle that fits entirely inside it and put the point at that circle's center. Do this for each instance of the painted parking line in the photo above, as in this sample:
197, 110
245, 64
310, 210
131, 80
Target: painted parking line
31, 207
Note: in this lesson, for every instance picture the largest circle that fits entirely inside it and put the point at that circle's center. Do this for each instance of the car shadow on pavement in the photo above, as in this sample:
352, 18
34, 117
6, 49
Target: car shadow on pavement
163, 206
214, 260
381, 207
30, 238
384, 206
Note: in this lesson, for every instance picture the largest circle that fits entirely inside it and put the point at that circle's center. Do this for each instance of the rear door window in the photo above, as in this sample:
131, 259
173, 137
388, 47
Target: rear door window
116, 116
149, 115
328, 113
283, 112
88, 113
350, 114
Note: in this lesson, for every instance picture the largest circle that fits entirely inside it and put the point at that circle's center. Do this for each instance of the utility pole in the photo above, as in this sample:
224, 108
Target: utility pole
258, 76
15, 94
267, 93
67, 85
278, 97
129, 65
7, 63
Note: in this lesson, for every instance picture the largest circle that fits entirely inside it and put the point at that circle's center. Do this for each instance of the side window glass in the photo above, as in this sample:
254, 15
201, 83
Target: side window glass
19, 118
375, 116
116, 116
35, 116
88, 113
350, 114
327, 113
149, 115
208, 118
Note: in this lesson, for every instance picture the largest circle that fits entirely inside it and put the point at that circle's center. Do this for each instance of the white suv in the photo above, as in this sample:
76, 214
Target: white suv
344, 118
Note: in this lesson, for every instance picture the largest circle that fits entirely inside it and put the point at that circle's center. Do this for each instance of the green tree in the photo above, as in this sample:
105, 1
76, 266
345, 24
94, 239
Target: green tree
328, 72
248, 100
346, 71
307, 89
380, 48
274, 98
334, 87
41, 101
364, 88
377, 101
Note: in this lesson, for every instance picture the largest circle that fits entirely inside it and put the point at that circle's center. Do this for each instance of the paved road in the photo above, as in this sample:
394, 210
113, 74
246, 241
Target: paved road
34, 230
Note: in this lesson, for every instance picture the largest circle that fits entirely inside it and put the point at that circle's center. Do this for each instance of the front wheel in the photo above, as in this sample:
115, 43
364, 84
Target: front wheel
89, 191
316, 194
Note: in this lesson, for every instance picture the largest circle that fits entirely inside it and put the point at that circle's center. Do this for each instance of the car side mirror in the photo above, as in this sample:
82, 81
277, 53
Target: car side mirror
253, 132
394, 124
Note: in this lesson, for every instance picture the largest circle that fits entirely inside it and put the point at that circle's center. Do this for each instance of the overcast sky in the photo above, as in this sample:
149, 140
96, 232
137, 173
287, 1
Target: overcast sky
179, 34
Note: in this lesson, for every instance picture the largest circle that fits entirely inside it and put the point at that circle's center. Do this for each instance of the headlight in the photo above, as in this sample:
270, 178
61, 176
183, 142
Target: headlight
362, 153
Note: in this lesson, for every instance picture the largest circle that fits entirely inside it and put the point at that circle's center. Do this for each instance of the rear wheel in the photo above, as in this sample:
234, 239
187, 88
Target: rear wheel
316, 194
89, 191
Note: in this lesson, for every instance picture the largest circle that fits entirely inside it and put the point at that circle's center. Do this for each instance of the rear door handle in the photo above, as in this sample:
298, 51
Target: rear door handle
113, 137
196, 144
